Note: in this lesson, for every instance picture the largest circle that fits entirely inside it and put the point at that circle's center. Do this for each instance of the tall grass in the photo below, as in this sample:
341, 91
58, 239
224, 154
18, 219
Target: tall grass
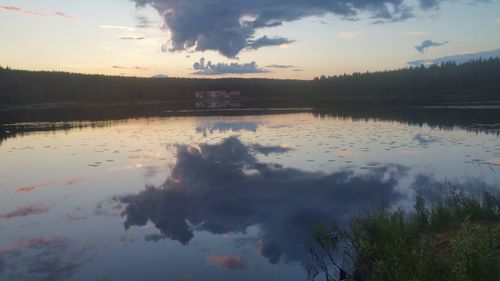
458, 239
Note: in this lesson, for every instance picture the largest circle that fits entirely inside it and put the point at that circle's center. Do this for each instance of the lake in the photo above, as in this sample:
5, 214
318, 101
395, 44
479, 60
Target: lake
217, 197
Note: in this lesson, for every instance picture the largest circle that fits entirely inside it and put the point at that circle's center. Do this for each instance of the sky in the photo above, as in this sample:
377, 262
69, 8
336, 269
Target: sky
286, 39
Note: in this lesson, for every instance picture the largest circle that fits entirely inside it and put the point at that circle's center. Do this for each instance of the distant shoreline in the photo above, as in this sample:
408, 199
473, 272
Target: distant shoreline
471, 83
449, 85
188, 105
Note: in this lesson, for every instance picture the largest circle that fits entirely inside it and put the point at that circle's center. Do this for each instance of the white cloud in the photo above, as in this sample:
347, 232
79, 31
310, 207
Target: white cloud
209, 68
119, 27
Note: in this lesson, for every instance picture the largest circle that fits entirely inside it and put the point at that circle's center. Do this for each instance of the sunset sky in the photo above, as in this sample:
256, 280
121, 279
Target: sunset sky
297, 39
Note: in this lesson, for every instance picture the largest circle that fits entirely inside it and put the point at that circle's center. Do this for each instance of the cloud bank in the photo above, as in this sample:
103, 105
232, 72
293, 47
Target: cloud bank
281, 66
429, 43
229, 26
202, 68
461, 58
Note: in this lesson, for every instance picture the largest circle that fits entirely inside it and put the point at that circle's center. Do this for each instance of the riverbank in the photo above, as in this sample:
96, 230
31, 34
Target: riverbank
457, 239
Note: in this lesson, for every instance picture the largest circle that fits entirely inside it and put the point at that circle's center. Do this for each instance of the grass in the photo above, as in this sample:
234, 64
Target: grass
458, 239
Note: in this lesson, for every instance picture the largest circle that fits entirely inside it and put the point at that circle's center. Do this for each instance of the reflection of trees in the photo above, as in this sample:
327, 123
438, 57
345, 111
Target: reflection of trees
478, 120
209, 189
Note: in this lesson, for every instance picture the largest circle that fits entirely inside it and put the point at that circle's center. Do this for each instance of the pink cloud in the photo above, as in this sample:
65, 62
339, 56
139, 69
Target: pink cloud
11, 8
228, 262
75, 217
74, 181
32, 187
23, 211
127, 239
33, 13
20, 244
345, 153
63, 15
58, 256
20, 10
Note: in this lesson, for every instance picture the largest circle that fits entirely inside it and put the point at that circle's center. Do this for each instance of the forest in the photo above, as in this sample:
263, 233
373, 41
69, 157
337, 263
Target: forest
449, 82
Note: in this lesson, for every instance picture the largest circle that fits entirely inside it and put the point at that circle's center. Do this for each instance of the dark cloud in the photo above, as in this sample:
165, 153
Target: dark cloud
209, 68
27, 210
228, 262
42, 259
280, 66
429, 43
462, 58
266, 41
229, 26
222, 188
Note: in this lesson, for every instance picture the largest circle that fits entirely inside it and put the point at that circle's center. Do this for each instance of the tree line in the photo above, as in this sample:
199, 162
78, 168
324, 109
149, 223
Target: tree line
474, 80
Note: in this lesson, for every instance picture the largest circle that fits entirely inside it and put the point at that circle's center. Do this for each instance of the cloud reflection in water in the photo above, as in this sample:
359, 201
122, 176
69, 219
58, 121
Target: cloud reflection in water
42, 258
210, 190
210, 127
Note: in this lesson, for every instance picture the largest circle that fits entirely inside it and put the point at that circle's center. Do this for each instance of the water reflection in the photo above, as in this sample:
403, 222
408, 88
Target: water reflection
26, 210
223, 188
14, 123
211, 127
42, 258
215, 207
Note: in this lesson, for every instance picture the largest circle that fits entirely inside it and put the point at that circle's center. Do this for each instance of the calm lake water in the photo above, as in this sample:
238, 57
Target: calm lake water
213, 197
